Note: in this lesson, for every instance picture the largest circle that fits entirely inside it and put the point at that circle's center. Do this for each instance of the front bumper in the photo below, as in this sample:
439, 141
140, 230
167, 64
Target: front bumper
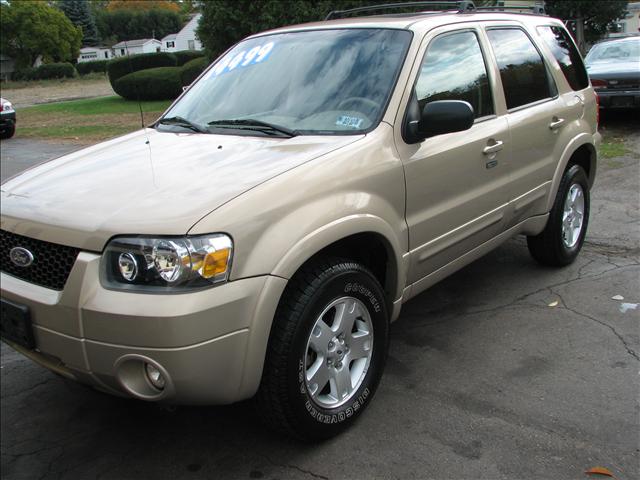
209, 344
7, 120
619, 98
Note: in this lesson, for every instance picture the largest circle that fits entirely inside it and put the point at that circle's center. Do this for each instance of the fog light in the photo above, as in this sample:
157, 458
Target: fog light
155, 376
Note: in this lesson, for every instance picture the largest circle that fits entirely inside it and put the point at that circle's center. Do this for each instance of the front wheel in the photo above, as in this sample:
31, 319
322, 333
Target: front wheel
561, 240
327, 350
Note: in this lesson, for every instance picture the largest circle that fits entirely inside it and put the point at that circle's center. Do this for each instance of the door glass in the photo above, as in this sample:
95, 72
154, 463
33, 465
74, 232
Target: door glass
454, 69
567, 55
523, 73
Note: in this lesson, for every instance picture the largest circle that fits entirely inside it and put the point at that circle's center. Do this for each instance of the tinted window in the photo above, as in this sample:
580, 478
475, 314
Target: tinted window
566, 53
524, 76
454, 69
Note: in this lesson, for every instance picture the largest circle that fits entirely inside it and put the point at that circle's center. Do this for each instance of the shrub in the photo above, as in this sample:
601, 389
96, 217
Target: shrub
99, 66
185, 56
119, 67
24, 74
54, 70
161, 83
191, 70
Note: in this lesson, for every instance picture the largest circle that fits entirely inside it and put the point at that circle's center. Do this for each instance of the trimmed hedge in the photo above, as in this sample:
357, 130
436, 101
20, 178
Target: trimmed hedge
161, 83
46, 71
185, 56
191, 70
121, 66
99, 66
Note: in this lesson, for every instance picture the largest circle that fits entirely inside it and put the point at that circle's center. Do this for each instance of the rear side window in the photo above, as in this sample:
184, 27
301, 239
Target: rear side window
454, 69
522, 70
567, 55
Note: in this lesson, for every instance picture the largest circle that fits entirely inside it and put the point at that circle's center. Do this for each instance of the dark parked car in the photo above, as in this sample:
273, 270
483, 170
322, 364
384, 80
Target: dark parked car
614, 69
7, 119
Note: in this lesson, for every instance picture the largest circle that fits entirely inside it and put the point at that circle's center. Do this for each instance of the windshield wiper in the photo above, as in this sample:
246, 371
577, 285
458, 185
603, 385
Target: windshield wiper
182, 122
251, 124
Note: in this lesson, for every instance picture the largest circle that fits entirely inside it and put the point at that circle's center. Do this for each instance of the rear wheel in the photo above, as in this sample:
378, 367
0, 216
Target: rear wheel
562, 239
326, 352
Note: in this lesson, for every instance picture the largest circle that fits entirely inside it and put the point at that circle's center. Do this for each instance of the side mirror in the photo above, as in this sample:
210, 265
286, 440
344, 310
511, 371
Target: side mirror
444, 116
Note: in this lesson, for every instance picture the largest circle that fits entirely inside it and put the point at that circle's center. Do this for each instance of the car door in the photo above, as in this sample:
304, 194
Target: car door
537, 116
456, 184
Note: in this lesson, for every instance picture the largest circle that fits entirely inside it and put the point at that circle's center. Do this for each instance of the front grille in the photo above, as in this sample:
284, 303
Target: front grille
51, 265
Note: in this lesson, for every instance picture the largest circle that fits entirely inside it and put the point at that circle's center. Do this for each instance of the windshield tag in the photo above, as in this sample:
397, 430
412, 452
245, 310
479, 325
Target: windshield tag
245, 58
349, 122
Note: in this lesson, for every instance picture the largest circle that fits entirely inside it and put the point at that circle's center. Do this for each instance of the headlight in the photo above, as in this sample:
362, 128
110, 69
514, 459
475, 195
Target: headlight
166, 264
7, 106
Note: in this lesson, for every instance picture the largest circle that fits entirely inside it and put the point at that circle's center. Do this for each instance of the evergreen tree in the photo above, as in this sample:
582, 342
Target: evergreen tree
79, 12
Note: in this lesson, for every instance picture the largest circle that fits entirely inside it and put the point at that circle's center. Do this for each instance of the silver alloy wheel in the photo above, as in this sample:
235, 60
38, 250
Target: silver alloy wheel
338, 352
573, 216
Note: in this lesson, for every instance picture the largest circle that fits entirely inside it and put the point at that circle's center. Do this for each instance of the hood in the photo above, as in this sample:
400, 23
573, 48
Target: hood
147, 182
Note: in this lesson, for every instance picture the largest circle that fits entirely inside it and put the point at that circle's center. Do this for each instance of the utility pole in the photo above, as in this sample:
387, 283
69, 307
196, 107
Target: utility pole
580, 34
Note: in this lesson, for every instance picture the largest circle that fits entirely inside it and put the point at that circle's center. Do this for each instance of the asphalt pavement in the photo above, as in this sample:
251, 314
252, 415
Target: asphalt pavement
505, 370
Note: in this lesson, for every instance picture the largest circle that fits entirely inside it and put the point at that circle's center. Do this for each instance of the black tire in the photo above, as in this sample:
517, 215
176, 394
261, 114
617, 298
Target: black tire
549, 247
8, 132
283, 401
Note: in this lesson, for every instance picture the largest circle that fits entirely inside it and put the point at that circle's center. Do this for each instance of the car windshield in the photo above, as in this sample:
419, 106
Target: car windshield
623, 51
308, 82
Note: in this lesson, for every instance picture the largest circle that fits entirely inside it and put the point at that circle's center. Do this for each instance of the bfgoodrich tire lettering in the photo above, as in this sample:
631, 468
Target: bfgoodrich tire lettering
285, 400
561, 240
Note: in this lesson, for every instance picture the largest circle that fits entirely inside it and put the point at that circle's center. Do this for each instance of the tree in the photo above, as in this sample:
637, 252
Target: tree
79, 12
142, 5
31, 29
118, 25
589, 20
225, 22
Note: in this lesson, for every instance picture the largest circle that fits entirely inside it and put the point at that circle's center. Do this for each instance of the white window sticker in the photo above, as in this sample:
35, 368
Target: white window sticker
245, 58
350, 122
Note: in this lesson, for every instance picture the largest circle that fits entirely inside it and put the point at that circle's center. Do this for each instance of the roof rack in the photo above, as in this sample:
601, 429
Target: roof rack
461, 7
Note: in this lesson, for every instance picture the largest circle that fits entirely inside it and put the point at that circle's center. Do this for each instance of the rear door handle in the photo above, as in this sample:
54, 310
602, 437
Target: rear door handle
496, 147
556, 123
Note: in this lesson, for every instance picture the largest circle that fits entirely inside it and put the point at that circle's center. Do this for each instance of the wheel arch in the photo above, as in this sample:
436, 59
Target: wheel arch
580, 151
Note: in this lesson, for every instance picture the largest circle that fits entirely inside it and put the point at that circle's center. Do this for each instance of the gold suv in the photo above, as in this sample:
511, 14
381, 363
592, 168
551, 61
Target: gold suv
258, 239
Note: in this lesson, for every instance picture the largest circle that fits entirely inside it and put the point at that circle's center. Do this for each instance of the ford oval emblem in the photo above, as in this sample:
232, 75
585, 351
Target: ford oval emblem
21, 257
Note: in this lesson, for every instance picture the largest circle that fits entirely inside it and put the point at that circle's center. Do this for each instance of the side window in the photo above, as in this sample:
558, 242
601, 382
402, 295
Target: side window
567, 55
523, 73
454, 69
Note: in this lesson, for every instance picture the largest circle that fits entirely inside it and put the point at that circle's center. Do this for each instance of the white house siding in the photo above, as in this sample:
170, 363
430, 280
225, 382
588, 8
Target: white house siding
135, 47
90, 54
186, 38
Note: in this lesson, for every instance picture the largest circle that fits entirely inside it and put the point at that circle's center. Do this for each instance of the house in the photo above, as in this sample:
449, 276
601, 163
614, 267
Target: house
90, 54
185, 39
134, 47
7, 67
630, 24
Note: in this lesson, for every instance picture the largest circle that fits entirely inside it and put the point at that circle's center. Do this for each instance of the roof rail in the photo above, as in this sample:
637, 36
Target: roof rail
429, 7
460, 7
535, 9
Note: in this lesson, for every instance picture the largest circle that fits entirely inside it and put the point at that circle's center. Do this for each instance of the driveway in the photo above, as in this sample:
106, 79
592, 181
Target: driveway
504, 370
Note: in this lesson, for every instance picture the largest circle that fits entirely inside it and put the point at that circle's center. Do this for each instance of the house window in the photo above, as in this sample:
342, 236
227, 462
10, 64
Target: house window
157, 49
122, 51
192, 45
171, 44
106, 54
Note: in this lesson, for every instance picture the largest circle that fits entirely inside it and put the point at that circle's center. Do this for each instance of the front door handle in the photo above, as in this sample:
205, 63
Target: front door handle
556, 123
493, 148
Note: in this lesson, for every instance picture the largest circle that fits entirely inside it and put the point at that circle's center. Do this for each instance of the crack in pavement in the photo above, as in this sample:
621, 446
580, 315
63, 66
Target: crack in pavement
295, 467
629, 350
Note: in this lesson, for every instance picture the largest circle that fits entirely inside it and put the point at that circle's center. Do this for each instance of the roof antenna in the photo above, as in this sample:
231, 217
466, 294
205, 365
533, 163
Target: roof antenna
136, 85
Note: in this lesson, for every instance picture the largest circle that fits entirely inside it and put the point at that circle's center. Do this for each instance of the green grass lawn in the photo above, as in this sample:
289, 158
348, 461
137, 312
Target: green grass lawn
88, 120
